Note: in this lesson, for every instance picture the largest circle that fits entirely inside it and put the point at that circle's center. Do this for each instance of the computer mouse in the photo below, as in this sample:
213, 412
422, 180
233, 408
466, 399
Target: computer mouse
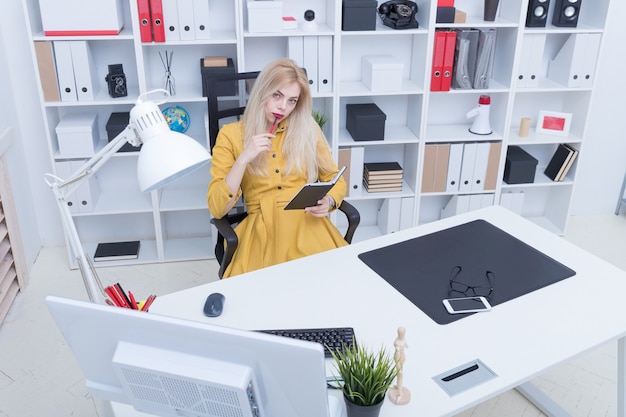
214, 304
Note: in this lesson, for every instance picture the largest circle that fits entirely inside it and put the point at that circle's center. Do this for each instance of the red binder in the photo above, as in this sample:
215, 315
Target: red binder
448, 60
438, 54
145, 24
158, 29
445, 3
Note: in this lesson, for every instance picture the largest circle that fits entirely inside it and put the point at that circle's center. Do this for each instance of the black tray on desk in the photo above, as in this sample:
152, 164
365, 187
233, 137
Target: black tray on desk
421, 268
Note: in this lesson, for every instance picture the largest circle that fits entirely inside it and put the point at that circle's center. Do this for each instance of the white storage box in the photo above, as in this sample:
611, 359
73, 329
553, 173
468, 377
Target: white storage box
81, 17
381, 72
77, 134
265, 16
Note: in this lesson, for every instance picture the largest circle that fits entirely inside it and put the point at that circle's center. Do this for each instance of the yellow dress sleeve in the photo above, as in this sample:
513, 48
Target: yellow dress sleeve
228, 146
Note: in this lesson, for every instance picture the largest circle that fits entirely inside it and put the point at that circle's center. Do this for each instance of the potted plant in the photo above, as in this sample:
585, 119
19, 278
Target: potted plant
320, 117
366, 375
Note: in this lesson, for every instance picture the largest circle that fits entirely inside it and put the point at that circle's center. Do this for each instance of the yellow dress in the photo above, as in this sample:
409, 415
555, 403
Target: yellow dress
270, 235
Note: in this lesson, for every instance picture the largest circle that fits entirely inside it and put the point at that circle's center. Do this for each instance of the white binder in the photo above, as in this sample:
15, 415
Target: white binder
201, 19
389, 215
406, 213
310, 61
170, 20
480, 166
531, 60
86, 194
357, 158
85, 74
574, 64
295, 49
467, 167
186, 21
591, 59
63, 170
454, 167
65, 70
325, 63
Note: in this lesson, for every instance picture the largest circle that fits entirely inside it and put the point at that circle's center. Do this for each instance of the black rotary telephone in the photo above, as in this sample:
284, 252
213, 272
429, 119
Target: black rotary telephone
398, 14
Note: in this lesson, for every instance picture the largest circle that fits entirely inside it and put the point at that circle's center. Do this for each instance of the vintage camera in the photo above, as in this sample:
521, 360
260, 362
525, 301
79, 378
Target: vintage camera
116, 80
398, 14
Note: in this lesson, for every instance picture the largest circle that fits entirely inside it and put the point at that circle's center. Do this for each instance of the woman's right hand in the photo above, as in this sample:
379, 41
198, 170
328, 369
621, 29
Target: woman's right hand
259, 143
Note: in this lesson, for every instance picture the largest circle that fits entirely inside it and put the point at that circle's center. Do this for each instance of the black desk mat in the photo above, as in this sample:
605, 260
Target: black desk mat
420, 268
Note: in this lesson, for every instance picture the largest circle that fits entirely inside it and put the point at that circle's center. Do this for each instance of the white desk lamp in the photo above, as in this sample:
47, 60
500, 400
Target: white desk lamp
165, 156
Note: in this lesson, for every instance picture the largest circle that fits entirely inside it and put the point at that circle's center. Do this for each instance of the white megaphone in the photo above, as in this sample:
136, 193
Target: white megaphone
480, 114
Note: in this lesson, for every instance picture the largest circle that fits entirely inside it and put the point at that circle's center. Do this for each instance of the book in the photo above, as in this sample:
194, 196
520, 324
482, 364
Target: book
375, 168
558, 162
311, 193
117, 251
384, 188
569, 163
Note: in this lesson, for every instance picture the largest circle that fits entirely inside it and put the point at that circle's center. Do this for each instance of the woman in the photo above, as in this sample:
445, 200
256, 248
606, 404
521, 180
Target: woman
270, 168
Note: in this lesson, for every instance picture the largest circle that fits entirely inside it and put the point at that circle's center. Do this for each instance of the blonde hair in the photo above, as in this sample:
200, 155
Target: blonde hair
302, 133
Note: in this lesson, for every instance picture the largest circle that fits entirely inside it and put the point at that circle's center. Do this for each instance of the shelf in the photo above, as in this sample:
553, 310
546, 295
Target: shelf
174, 221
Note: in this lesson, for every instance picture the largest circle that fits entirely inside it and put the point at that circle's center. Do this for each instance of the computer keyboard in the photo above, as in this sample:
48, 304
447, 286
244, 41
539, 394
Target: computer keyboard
329, 337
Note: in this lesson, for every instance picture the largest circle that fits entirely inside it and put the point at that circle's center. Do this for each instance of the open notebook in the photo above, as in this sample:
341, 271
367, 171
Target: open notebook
311, 193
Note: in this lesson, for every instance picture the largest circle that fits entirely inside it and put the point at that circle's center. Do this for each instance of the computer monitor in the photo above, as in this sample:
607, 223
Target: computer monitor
173, 367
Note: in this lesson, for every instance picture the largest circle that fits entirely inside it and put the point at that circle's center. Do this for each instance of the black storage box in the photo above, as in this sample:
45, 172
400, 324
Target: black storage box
365, 121
226, 88
358, 14
116, 123
445, 14
520, 166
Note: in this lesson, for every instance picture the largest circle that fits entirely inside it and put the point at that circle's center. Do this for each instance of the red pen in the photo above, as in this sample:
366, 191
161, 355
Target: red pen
277, 117
133, 302
148, 302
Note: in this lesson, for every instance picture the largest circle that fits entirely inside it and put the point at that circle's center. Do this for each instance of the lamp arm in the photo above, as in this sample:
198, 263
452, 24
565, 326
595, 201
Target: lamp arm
64, 188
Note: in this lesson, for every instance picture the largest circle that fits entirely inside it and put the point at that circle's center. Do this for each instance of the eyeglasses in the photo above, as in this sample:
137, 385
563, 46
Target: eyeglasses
462, 289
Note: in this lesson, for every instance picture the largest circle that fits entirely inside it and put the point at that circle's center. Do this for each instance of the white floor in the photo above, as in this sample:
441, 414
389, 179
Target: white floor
39, 378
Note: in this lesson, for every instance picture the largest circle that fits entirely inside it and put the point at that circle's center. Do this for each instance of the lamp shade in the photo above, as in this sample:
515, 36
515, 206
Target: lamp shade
165, 155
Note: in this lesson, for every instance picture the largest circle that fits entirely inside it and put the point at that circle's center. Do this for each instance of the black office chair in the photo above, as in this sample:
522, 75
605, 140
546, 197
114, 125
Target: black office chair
227, 96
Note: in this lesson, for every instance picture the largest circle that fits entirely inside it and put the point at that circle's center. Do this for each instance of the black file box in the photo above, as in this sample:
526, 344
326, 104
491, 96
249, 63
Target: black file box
519, 167
358, 15
365, 121
115, 125
226, 88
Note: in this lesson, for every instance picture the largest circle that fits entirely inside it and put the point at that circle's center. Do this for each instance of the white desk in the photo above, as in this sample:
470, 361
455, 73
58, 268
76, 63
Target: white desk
518, 340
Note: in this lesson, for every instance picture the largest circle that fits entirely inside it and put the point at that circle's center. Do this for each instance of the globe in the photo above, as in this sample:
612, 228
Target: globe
178, 118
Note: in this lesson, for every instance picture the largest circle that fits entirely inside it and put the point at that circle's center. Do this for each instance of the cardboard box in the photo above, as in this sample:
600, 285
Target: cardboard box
381, 72
265, 16
365, 121
520, 166
77, 134
358, 15
81, 18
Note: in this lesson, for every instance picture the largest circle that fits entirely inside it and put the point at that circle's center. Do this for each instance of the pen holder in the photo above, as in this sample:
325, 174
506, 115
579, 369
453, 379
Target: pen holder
491, 7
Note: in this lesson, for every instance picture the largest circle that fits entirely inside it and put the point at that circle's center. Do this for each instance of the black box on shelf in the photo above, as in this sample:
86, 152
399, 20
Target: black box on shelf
365, 121
116, 123
445, 14
519, 167
358, 15
225, 88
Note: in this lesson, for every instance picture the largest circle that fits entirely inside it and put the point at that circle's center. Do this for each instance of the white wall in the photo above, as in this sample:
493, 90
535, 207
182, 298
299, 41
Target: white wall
600, 172
603, 160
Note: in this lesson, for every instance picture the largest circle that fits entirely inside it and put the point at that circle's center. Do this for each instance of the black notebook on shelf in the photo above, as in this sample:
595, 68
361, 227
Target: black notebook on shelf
311, 193
117, 251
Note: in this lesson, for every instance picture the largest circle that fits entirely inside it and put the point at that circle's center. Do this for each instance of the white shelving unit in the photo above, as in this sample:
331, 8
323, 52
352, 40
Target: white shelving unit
173, 223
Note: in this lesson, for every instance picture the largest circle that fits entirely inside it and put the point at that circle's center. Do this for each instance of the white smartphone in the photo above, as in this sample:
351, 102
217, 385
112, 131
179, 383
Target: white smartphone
466, 305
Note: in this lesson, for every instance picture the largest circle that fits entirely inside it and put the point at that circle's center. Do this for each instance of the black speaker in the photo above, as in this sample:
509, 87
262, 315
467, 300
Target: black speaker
566, 13
537, 15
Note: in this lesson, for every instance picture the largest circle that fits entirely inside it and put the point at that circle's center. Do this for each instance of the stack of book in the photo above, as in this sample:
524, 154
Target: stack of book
382, 176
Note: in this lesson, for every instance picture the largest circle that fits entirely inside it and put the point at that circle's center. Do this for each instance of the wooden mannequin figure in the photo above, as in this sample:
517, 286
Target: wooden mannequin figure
399, 394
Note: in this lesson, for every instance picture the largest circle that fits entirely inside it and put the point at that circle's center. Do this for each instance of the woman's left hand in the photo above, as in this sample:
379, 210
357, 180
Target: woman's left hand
322, 208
